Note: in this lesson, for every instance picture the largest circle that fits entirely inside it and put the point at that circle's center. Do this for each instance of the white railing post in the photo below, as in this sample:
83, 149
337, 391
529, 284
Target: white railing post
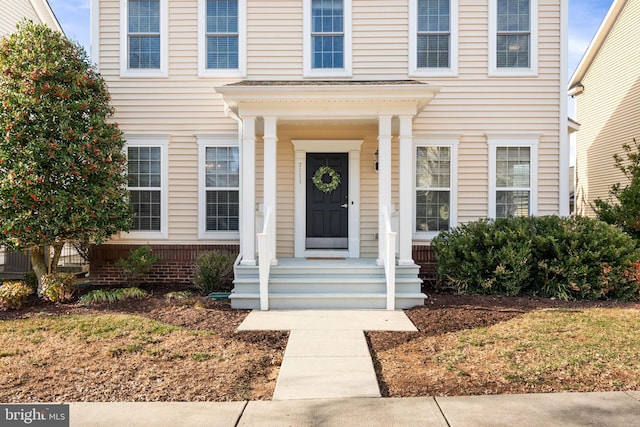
265, 257
388, 240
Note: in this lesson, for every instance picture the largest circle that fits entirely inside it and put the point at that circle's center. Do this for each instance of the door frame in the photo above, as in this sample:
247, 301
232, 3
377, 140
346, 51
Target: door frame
301, 148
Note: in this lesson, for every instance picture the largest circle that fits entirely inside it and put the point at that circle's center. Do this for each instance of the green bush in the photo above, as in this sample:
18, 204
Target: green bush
213, 272
566, 258
138, 263
13, 295
58, 287
101, 296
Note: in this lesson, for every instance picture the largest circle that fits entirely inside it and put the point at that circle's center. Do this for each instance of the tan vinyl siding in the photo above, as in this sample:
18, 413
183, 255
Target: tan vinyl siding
13, 12
608, 110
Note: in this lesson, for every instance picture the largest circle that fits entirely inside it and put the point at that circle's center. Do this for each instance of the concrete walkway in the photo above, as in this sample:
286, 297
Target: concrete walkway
327, 355
616, 409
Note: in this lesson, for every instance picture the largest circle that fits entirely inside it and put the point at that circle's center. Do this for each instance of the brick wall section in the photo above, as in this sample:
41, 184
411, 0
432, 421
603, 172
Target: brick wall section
176, 265
425, 257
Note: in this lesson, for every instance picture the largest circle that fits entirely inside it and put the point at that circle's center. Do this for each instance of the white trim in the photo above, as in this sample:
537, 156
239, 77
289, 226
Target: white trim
310, 72
241, 71
532, 70
205, 141
565, 156
94, 48
301, 148
414, 70
162, 141
452, 142
163, 71
248, 191
530, 140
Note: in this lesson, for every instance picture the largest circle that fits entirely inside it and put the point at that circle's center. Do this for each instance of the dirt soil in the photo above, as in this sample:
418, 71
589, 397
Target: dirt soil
247, 363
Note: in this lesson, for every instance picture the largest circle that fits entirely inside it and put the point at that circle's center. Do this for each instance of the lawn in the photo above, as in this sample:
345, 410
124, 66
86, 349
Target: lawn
160, 349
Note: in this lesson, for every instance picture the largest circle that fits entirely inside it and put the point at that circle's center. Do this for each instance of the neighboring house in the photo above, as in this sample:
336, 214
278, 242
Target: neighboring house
414, 116
606, 86
13, 12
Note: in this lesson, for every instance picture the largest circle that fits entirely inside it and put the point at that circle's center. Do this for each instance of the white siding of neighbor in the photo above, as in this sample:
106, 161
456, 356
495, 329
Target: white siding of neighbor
14, 11
469, 105
608, 110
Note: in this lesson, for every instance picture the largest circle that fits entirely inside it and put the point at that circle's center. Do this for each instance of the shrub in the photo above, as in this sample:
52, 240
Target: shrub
13, 295
138, 263
101, 296
213, 272
58, 287
567, 258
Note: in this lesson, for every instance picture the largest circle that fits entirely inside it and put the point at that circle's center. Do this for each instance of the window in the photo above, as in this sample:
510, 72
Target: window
435, 186
327, 38
513, 36
513, 177
433, 37
144, 38
220, 187
221, 34
147, 185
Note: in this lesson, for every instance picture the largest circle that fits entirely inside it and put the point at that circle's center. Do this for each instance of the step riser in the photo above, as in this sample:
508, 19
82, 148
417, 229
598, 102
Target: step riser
326, 303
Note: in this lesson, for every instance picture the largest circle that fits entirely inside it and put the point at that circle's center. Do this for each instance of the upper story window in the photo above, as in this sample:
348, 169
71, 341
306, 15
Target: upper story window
143, 43
433, 37
513, 177
436, 164
513, 38
327, 27
221, 34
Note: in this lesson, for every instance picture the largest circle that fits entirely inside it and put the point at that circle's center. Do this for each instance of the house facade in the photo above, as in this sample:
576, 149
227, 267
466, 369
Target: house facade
326, 138
606, 87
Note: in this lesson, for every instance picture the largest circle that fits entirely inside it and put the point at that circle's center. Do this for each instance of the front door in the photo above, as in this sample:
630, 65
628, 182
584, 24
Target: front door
327, 201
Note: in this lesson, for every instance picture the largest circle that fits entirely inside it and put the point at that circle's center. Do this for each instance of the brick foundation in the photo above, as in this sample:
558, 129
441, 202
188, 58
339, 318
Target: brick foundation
425, 257
176, 265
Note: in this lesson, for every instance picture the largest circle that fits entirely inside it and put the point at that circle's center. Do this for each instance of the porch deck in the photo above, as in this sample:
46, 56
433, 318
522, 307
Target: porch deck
350, 283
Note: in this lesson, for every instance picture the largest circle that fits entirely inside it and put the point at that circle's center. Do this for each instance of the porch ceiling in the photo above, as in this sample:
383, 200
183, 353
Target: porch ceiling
327, 100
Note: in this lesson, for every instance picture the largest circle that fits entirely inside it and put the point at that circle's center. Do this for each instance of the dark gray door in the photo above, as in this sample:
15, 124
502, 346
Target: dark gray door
327, 212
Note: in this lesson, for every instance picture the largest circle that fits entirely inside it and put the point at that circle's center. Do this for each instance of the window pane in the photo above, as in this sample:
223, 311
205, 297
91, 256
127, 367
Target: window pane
222, 167
433, 15
144, 16
222, 52
144, 52
432, 210
328, 51
222, 16
512, 203
512, 51
513, 15
433, 167
327, 40
513, 167
327, 16
433, 51
222, 210
146, 210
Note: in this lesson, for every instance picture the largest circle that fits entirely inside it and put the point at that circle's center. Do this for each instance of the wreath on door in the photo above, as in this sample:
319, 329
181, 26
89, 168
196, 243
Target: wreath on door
319, 182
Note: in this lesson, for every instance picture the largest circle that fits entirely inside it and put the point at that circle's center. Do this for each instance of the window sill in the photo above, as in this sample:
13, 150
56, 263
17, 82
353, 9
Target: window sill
144, 74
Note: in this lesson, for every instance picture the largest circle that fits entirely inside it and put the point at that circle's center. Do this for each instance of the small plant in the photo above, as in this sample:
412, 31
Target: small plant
31, 280
101, 296
13, 295
58, 287
138, 263
213, 272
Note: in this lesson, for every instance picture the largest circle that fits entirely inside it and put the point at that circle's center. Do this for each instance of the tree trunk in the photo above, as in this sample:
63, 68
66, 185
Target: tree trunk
57, 251
39, 264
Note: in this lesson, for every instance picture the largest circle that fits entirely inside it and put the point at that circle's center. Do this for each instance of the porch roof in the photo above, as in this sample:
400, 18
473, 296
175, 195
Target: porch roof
302, 99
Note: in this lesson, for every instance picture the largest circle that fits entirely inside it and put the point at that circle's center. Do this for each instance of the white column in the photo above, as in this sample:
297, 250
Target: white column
384, 175
270, 174
248, 192
405, 232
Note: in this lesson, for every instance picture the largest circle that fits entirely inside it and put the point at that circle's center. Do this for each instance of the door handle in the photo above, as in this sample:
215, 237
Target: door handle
344, 206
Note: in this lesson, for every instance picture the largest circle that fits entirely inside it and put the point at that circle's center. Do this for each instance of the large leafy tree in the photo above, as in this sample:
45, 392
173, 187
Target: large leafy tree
623, 206
62, 168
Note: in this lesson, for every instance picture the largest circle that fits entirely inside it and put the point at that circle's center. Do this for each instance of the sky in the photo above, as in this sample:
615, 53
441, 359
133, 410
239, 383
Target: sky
585, 17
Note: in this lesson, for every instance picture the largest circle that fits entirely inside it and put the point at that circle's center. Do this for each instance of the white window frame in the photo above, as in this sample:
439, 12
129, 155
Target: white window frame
414, 70
163, 71
241, 71
452, 143
513, 140
162, 141
204, 142
494, 70
310, 72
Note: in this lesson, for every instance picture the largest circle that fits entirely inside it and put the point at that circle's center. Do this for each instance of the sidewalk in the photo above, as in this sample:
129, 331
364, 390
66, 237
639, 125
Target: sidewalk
615, 409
